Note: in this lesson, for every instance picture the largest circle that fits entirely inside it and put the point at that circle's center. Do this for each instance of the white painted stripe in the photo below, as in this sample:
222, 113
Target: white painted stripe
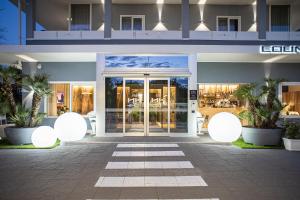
164, 199
151, 181
146, 153
146, 145
150, 165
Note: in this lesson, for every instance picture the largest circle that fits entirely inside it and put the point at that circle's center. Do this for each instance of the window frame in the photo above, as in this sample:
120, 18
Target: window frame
239, 18
70, 15
71, 83
132, 17
280, 95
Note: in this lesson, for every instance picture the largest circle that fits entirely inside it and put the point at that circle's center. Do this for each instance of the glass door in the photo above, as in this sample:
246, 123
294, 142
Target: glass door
134, 106
158, 93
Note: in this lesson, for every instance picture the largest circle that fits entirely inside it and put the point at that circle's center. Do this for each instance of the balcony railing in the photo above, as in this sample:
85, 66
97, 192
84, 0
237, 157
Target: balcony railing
163, 35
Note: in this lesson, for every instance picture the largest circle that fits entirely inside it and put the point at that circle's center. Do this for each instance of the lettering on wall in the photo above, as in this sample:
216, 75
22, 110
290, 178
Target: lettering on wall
279, 49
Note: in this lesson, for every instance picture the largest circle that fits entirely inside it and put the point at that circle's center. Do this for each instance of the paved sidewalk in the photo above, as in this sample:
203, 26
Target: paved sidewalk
196, 171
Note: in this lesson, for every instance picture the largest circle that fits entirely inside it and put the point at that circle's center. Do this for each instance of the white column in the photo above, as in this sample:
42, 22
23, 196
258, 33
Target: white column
100, 96
192, 104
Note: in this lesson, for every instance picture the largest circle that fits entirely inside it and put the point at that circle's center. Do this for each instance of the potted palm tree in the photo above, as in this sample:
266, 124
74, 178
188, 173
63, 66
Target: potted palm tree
25, 120
262, 114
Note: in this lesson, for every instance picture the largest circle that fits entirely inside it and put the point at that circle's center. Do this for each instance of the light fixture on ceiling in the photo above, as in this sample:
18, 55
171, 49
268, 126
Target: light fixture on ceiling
202, 2
159, 1
102, 1
26, 58
254, 3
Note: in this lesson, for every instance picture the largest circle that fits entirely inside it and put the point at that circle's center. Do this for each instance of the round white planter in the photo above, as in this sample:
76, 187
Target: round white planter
262, 137
291, 144
19, 136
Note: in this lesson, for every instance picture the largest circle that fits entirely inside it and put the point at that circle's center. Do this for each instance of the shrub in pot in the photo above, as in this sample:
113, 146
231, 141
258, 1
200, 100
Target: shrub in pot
25, 119
262, 113
291, 138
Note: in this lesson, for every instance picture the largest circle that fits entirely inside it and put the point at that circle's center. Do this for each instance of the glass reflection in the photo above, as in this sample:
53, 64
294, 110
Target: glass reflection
134, 106
158, 106
114, 105
178, 105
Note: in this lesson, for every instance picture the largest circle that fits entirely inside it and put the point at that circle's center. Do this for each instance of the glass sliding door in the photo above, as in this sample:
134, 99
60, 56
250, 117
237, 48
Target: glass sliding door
80, 17
134, 106
152, 106
158, 105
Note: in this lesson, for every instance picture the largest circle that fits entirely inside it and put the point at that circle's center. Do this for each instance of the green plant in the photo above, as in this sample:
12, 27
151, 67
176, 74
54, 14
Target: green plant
10, 75
22, 116
292, 130
38, 85
263, 106
4, 105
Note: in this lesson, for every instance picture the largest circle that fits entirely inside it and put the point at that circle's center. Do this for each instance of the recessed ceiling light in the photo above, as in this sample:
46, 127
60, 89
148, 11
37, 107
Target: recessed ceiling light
202, 2
27, 58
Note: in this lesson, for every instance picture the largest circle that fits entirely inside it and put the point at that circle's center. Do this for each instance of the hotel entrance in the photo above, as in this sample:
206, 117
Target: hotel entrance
146, 106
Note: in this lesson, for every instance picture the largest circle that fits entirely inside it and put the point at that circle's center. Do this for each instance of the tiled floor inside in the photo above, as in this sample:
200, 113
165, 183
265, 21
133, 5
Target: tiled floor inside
193, 170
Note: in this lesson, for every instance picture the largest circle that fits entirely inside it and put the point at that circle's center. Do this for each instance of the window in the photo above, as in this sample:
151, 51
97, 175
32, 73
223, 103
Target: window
67, 97
229, 23
80, 17
280, 18
215, 98
132, 22
291, 98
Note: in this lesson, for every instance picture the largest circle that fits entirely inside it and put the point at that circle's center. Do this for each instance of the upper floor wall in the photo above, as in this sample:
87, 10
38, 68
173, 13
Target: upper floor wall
200, 19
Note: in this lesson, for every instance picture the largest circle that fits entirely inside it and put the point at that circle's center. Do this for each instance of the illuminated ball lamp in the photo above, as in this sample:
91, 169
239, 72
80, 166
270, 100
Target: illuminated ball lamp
224, 127
70, 127
43, 136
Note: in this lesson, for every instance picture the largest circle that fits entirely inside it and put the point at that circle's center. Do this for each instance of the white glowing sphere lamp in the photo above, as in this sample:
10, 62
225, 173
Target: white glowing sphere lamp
43, 136
70, 127
224, 127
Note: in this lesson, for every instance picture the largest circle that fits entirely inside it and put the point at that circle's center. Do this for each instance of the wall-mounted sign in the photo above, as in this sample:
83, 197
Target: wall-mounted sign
193, 95
280, 49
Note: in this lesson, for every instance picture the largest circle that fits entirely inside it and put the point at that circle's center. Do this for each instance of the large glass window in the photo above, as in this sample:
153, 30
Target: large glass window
280, 18
178, 105
291, 98
215, 98
80, 17
60, 101
113, 105
82, 99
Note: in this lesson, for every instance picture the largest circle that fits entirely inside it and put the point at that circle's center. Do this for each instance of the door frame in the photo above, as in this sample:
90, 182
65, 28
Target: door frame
146, 106
148, 133
132, 17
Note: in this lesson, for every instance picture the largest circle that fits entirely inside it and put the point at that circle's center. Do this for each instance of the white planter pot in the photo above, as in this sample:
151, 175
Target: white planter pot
291, 145
262, 137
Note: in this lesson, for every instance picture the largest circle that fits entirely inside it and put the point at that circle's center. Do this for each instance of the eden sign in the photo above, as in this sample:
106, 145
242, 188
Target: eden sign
280, 49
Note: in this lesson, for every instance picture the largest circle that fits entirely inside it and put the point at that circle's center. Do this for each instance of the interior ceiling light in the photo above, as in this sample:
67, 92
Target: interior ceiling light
159, 1
27, 58
202, 2
254, 3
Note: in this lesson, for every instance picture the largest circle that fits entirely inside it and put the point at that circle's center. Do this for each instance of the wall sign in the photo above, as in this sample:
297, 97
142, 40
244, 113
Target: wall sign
279, 49
193, 95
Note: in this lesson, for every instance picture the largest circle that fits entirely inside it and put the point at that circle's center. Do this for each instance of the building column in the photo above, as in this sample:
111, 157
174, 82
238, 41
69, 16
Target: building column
192, 104
185, 18
100, 96
30, 18
261, 19
107, 18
